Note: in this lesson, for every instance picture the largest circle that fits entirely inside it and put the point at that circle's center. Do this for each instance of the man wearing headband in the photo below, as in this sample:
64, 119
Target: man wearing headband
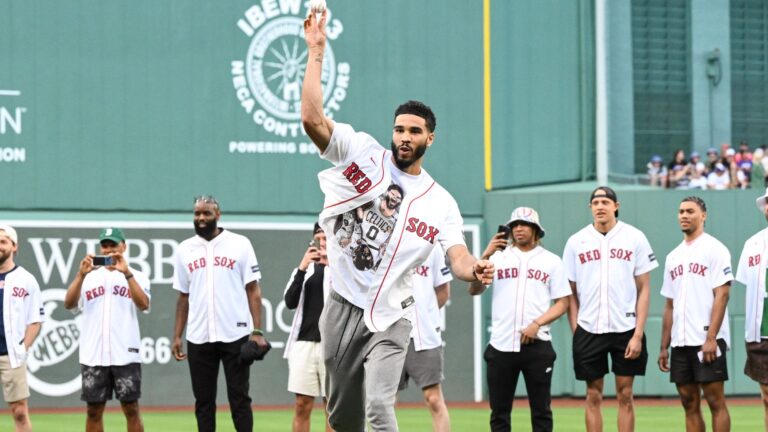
608, 264
19, 329
752, 273
306, 292
697, 281
217, 276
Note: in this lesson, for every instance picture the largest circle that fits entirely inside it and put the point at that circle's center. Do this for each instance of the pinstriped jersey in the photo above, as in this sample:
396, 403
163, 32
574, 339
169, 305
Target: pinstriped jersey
604, 269
524, 285
426, 315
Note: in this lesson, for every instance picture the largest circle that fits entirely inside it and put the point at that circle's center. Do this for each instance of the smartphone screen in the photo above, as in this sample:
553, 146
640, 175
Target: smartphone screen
102, 260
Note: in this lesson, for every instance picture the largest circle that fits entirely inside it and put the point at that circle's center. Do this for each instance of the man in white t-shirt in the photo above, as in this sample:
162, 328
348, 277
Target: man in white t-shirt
424, 361
752, 273
109, 295
21, 316
217, 276
608, 264
530, 291
365, 325
697, 279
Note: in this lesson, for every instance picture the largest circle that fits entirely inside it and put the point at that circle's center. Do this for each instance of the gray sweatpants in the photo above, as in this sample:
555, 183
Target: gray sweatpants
361, 367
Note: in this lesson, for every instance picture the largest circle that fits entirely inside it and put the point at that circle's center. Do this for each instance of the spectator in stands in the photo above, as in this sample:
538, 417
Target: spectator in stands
697, 178
743, 153
759, 168
744, 174
712, 158
657, 172
696, 164
719, 179
730, 165
678, 175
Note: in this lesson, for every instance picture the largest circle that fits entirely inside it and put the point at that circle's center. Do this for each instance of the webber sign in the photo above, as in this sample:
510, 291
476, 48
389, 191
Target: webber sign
52, 250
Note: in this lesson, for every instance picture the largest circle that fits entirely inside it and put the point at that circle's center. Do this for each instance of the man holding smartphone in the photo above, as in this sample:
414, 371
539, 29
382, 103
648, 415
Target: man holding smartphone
306, 292
17, 330
109, 295
697, 280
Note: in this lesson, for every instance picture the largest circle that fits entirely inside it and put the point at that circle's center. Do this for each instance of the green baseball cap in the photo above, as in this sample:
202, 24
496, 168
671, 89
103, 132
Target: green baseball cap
114, 234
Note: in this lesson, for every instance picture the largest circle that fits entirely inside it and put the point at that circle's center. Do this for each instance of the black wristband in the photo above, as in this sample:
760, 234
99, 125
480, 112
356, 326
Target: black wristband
129, 276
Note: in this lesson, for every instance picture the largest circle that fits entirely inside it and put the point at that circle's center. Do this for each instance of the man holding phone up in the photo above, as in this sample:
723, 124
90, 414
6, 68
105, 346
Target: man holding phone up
697, 280
306, 293
109, 293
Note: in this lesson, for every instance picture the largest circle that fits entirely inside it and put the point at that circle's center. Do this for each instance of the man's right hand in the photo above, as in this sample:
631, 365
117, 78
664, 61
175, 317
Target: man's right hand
314, 31
178, 354
311, 255
86, 265
664, 360
497, 243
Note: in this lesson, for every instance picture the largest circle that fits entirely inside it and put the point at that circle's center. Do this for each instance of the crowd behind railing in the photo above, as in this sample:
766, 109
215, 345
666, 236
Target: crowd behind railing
724, 169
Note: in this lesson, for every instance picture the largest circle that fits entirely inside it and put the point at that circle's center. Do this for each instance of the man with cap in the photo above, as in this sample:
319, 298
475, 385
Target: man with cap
697, 279
608, 264
752, 273
109, 294
657, 172
217, 276
526, 282
306, 292
17, 330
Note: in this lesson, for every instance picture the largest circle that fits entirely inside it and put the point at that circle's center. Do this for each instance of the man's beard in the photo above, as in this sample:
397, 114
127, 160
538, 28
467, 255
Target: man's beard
418, 152
207, 231
4, 258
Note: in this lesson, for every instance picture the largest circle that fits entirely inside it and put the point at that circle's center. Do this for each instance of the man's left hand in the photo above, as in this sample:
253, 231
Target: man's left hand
259, 339
483, 270
634, 347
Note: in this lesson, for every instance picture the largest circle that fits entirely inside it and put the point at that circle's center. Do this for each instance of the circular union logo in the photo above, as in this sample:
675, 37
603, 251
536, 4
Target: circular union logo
275, 66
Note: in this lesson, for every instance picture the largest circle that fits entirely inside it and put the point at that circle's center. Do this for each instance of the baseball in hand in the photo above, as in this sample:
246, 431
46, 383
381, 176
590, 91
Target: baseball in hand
317, 7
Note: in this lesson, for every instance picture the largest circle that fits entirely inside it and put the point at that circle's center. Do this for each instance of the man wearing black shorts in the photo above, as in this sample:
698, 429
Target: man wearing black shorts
697, 279
608, 264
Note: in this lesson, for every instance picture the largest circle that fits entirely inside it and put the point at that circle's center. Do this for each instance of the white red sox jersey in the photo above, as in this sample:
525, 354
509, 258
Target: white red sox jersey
214, 274
109, 330
604, 269
428, 214
426, 315
22, 306
524, 285
691, 273
751, 272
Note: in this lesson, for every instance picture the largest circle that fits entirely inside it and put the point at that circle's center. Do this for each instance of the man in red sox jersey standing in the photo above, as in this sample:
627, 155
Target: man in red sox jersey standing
752, 273
22, 313
217, 276
697, 281
608, 264
109, 298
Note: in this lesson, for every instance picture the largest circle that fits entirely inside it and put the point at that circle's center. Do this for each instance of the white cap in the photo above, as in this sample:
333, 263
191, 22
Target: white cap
528, 215
760, 201
8, 231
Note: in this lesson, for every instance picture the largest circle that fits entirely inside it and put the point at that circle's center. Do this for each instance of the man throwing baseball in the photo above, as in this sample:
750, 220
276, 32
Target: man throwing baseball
697, 280
365, 327
608, 264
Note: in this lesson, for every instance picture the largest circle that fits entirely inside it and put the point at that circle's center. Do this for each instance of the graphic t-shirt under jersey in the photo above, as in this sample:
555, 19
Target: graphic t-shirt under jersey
381, 223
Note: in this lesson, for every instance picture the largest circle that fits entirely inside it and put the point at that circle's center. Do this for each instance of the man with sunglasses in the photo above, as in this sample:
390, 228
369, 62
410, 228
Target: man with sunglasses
217, 276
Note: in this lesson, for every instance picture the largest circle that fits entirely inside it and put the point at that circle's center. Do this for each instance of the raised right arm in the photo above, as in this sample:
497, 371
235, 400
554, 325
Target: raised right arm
318, 127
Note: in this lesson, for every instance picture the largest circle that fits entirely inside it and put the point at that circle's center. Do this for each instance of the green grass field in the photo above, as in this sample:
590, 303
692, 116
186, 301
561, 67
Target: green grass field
649, 418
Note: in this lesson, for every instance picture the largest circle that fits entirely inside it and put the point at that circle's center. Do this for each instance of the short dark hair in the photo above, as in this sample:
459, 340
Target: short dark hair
418, 109
395, 186
696, 200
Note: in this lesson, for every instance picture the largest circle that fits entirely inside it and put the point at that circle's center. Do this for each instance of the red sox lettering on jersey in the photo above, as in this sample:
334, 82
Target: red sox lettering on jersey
512, 272
693, 268
218, 261
754, 260
422, 229
357, 177
19, 292
594, 255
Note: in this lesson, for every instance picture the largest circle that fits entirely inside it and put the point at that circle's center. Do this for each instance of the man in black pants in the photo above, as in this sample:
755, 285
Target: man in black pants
217, 276
306, 293
530, 291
